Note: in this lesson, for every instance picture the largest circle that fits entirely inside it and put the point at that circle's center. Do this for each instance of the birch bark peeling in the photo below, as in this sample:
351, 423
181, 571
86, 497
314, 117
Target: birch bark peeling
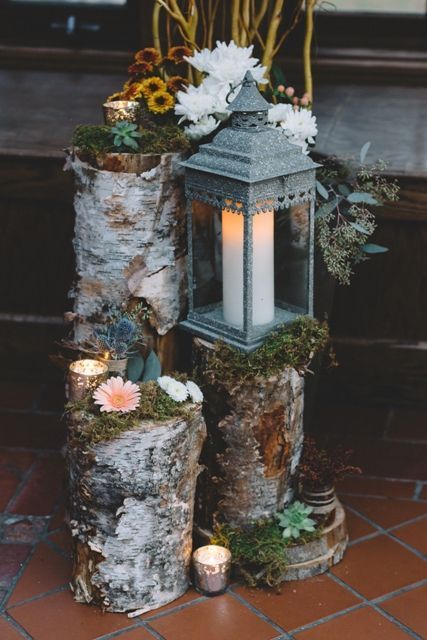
129, 240
255, 437
131, 513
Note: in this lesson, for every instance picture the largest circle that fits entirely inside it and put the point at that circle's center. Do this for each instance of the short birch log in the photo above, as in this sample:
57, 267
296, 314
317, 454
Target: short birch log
129, 240
131, 512
255, 437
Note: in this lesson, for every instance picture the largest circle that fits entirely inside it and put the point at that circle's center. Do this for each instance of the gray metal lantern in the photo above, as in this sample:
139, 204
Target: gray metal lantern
250, 197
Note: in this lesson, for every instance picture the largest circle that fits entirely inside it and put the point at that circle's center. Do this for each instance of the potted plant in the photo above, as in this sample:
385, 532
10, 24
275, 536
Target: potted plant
317, 474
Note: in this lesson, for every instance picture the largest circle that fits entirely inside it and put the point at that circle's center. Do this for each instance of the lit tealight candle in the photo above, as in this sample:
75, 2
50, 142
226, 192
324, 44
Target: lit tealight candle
85, 376
211, 566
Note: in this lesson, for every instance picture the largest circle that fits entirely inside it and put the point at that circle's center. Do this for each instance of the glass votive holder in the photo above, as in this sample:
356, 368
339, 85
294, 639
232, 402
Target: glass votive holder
85, 376
121, 111
211, 569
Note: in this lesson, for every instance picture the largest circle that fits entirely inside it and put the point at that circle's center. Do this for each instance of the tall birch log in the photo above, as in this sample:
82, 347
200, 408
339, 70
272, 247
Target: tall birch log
129, 240
255, 437
131, 512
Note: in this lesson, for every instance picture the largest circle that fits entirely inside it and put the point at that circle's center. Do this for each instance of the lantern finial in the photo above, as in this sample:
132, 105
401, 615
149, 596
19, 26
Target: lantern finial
249, 108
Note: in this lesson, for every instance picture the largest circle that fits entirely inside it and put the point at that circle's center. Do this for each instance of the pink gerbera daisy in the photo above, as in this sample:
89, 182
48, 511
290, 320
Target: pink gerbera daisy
117, 395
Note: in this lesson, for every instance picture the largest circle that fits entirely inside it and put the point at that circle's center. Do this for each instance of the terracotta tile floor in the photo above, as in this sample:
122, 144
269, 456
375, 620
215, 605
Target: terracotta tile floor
378, 592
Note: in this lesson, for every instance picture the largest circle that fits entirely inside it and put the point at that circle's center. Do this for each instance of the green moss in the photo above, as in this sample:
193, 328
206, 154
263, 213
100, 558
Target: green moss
155, 405
94, 139
259, 552
293, 345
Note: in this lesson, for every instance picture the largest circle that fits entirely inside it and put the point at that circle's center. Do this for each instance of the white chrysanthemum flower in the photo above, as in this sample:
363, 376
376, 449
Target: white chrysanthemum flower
194, 104
300, 128
279, 112
195, 392
175, 389
200, 129
228, 63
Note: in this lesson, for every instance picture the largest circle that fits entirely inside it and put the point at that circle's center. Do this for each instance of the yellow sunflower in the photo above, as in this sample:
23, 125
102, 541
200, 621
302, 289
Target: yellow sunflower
160, 102
152, 85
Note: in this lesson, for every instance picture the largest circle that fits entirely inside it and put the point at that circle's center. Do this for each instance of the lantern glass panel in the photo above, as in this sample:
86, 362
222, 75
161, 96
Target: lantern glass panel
207, 258
292, 258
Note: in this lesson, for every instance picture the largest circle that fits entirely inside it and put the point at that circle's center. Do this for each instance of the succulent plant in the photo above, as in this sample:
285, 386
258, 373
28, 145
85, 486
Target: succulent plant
125, 135
295, 520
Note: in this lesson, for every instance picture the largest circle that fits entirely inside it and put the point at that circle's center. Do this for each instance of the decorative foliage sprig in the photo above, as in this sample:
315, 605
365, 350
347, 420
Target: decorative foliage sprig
320, 468
344, 220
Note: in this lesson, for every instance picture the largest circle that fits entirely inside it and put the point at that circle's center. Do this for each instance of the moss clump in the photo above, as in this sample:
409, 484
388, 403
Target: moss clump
155, 404
166, 139
259, 552
95, 139
292, 345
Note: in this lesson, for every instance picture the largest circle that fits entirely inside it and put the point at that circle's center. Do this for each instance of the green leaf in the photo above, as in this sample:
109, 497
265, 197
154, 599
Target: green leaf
129, 142
278, 75
327, 208
374, 248
153, 368
363, 151
321, 190
135, 367
359, 227
361, 196
344, 190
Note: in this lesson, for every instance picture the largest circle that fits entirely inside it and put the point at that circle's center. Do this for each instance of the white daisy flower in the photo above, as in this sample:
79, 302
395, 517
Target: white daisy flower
194, 390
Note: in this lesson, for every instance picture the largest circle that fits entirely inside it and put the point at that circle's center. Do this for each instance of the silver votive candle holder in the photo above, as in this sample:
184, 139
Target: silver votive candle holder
121, 111
85, 376
211, 569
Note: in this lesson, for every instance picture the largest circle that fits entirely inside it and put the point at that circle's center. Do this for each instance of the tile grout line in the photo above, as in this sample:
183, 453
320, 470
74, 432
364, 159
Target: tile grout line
399, 592
17, 626
259, 613
378, 496
375, 607
150, 629
39, 596
21, 484
417, 491
118, 633
328, 618
388, 532
178, 607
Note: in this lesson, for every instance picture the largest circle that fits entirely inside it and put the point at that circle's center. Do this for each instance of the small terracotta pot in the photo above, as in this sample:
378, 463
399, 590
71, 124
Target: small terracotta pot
323, 500
121, 111
117, 367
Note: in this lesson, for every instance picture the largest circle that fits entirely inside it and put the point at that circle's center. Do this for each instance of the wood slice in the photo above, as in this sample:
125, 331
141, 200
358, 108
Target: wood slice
255, 439
316, 557
131, 512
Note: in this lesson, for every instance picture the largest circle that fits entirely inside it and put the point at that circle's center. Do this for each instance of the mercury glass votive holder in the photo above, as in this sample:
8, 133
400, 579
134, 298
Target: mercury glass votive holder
85, 376
211, 569
121, 111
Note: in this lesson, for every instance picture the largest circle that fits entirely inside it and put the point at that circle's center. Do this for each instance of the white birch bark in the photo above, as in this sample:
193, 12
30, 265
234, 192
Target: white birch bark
131, 512
129, 240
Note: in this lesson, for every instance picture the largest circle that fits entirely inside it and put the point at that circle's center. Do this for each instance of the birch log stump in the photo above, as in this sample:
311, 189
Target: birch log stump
129, 241
131, 512
255, 437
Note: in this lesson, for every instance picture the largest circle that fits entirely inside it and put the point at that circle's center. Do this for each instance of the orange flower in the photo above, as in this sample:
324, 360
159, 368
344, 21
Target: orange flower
133, 92
176, 54
177, 83
117, 395
140, 68
149, 54
115, 96
160, 102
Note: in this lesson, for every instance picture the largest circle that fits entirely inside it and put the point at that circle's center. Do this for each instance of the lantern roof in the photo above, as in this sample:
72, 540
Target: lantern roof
250, 150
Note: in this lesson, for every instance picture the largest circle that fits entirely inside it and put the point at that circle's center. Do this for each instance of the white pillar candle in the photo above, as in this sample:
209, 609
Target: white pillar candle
263, 267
